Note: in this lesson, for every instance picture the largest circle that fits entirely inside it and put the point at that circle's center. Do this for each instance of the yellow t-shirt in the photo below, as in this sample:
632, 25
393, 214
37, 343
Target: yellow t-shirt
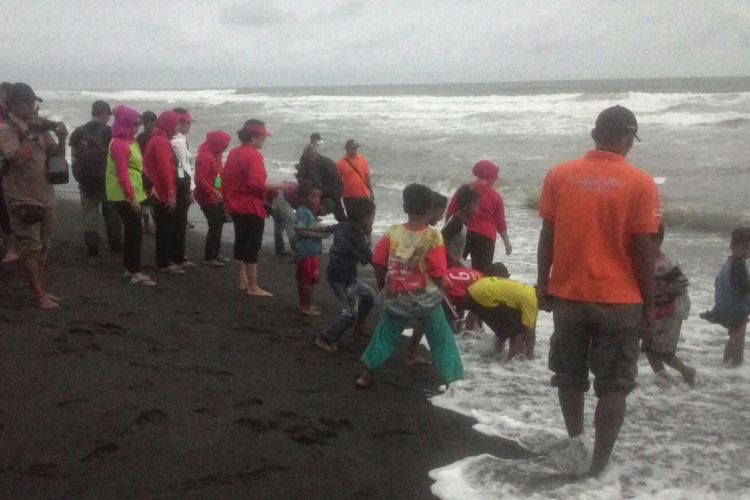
492, 291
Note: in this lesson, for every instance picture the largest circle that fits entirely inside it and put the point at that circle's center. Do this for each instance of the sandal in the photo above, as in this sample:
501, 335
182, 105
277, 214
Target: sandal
142, 279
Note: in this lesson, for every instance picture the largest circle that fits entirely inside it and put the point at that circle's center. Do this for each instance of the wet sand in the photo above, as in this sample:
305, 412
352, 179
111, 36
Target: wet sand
194, 390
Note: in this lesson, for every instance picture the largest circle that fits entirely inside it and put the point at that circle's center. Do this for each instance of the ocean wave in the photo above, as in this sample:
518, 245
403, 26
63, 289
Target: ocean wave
725, 118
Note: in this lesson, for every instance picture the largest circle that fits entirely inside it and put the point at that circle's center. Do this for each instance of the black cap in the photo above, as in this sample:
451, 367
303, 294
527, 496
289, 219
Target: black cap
315, 138
617, 121
21, 92
100, 107
5, 86
351, 143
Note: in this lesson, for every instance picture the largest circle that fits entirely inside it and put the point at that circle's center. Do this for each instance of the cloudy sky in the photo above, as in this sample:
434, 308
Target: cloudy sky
229, 43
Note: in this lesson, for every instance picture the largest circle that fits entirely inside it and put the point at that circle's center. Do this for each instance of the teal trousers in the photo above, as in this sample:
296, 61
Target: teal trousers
387, 335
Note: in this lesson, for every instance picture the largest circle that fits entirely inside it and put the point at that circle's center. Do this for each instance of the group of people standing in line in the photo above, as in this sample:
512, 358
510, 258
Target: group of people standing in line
601, 270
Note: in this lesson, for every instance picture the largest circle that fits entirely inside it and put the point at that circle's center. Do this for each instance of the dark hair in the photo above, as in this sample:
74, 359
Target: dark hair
498, 270
180, 111
148, 117
359, 209
658, 236
438, 200
98, 108
417, 199
306, 188
741, 236
243, 135
465, 195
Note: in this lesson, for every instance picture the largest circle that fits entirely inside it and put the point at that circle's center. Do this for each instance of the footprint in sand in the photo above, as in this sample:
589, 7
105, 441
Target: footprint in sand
42, 469
257, 425
104, 449
154, 416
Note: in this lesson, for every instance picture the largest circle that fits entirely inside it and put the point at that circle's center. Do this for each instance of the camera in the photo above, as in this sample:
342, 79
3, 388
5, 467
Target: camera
42, 125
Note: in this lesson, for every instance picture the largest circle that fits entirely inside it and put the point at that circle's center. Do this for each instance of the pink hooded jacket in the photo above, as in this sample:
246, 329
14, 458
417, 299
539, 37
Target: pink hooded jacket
208, 167
122, 137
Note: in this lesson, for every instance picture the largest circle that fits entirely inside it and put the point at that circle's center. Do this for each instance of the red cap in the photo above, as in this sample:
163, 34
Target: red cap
485, 169
186, 118
256, 129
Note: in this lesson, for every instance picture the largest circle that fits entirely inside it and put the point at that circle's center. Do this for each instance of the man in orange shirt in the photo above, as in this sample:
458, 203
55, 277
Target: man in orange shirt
355, 174
595, 263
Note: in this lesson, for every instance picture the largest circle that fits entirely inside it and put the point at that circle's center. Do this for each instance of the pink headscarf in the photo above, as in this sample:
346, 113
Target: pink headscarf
485, 170
125, 119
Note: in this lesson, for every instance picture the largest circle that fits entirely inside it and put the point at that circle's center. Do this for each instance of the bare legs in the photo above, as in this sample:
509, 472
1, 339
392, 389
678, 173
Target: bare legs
249, 280
657, 363
34, 272
608, 418
734, 351
305, 292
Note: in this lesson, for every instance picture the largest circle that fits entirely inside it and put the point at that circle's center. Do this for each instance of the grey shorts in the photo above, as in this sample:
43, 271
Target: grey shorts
602, 338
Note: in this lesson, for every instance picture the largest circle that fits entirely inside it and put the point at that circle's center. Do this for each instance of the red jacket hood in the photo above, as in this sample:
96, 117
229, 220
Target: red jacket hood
125, 119
216, 142
168, 122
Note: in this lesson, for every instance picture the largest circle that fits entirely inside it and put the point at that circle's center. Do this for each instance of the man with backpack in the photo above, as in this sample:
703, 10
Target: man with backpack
89, 145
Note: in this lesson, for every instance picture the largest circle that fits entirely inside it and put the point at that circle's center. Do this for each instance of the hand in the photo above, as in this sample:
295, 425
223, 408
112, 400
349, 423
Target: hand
61, 131
508, 248
172, 204
544, 301
135, 206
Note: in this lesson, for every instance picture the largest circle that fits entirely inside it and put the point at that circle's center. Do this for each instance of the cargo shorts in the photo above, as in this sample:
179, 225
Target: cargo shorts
603, 338
32, 239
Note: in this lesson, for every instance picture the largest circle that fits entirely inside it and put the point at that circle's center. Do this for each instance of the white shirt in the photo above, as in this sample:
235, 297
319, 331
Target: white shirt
181, 151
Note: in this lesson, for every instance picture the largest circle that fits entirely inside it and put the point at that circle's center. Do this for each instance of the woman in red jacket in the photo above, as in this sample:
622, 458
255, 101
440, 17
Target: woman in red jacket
244, 188
172, 193
489, 219
208, 170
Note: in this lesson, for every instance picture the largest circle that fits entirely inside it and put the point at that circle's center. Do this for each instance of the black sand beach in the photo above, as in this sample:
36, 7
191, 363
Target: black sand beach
194, 390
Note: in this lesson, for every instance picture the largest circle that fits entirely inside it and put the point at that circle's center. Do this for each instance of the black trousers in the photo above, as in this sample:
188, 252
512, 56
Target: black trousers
131, 250
170, 232
215, 218
481, 249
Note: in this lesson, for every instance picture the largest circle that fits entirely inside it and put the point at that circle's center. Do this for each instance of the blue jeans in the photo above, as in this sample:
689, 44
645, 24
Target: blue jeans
439, 337
357, 299
284, 221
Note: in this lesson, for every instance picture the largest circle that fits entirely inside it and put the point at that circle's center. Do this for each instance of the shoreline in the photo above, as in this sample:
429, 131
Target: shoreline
191, 389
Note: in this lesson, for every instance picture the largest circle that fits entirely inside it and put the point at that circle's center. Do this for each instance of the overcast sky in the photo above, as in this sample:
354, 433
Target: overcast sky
226, 43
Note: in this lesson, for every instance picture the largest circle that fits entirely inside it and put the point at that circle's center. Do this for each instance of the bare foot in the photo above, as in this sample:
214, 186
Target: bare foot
53, 298
10, 256
258, 292
45, 302
364, 381
310, 311
325, 345
361, 331
417, 360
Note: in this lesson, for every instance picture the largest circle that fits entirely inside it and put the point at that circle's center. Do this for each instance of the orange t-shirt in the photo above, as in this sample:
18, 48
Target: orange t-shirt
596, 204
354, 183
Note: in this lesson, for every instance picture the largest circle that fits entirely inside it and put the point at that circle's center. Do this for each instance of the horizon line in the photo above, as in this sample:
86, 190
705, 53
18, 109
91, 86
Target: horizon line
424, 84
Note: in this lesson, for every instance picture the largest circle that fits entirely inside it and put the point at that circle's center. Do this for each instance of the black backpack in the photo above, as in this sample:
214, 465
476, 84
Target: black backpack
90, 163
